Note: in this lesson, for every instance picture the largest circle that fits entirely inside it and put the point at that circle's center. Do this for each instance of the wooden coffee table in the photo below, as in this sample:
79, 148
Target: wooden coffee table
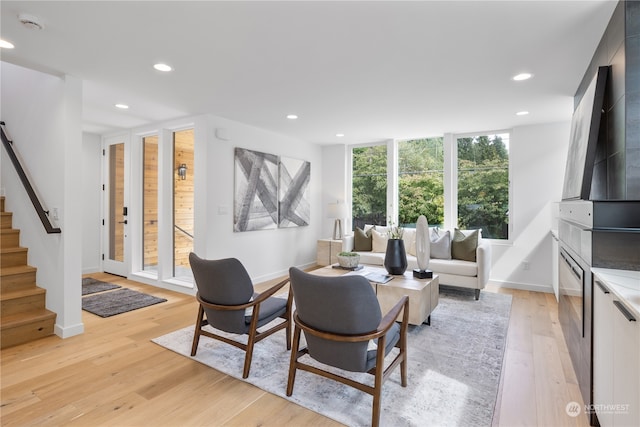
423, 293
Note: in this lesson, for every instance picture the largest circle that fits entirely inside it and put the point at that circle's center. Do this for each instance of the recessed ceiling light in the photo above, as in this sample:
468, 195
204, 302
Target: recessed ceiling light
339, 135
522, 76
162, 67
122, 106
30, 21
522, 113
291, 116
6, 45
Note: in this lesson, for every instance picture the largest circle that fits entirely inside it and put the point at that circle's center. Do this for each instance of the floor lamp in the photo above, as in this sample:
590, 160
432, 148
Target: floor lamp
337, 211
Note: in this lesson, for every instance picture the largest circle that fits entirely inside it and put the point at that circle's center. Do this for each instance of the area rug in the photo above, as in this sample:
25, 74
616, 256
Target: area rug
92, 286
453, 372
108, 304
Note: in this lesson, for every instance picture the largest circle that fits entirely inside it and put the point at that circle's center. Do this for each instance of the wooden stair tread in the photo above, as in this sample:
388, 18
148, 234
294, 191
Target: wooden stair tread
19, 269
18, 319
9, 230
20, 293
13, 250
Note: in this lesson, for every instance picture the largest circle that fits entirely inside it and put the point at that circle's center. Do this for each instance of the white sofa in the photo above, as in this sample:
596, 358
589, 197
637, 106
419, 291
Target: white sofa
452, 272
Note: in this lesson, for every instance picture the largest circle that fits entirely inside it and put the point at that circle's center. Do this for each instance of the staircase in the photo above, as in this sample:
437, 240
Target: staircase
23, 316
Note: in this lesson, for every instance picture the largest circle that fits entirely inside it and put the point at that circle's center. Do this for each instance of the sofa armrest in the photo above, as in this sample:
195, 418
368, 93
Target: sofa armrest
347, 243
483, 258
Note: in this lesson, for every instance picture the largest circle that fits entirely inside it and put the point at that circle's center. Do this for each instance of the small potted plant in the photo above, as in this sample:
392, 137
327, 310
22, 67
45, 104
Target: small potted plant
348, 259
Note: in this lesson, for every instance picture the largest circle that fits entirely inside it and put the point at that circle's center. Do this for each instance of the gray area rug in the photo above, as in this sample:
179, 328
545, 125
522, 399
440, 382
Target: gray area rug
92, 286
108, 304
453, 373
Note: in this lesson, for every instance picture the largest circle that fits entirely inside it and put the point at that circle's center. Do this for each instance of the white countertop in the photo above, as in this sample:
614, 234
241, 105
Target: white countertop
624, 284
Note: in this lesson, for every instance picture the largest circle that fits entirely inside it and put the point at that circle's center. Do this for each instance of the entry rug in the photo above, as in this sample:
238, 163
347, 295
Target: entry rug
92, 286
453, 372
109, 304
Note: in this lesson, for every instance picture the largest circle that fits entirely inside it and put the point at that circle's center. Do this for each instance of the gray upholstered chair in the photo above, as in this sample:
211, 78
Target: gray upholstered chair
226, 296
340, 316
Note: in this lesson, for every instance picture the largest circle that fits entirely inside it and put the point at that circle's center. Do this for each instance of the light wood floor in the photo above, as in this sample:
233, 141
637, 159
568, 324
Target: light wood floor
113, 375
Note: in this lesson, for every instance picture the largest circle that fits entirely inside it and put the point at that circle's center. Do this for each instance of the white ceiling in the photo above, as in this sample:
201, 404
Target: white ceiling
371, 70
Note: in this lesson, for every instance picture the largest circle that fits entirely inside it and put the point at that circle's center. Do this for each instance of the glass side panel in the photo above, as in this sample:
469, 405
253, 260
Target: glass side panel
150, 203
183, 203
116, 202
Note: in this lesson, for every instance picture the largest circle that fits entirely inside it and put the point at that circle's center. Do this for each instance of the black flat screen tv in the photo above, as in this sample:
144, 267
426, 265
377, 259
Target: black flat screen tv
585, 127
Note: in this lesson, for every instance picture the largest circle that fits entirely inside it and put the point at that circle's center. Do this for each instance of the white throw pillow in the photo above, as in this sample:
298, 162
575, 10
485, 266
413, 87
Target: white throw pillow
440, 244
379, 241
409, 237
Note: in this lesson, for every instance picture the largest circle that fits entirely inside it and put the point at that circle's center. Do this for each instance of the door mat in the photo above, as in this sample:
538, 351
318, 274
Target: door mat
120, 301
92, 286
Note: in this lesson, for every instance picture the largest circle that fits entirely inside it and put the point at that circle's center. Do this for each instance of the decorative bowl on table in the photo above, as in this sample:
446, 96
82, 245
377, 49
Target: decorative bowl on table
348, 259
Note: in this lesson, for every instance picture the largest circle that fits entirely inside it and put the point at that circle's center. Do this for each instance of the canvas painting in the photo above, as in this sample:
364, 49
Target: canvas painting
256, 191
585, 126
294, 192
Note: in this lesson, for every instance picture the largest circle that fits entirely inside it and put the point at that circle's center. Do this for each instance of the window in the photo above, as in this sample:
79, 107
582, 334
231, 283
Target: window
369, 185
150, 203
421, 181
483, 184
183, 203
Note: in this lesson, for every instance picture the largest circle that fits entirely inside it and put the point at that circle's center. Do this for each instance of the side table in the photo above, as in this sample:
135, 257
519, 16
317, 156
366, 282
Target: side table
327, 251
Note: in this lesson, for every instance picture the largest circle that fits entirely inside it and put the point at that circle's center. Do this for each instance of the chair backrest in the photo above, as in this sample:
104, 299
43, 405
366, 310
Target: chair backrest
223, 282
342, 305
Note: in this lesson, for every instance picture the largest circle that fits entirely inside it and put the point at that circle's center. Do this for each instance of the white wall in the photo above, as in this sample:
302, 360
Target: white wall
42, 114
91, 204
334, 179
537, 156
266, 253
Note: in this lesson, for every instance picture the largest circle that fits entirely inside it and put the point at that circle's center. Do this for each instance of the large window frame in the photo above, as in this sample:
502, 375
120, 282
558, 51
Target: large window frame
450, 179
488, 169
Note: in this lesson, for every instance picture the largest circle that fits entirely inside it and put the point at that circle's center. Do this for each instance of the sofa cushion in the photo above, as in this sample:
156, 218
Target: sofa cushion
454, 266
362, 240
372, 258
440, 244
379, 241
463, 246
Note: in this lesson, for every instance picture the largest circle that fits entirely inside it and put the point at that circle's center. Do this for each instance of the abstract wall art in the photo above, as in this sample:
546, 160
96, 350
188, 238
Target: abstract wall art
256, 191
270, 191
294, 192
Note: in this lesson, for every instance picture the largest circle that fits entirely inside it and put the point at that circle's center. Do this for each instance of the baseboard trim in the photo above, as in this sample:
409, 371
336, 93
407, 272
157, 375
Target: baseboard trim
277, 274
69, 331
547, 289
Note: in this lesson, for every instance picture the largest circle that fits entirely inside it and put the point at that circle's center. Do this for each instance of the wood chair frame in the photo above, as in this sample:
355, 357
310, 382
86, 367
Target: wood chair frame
253, 334
378, 371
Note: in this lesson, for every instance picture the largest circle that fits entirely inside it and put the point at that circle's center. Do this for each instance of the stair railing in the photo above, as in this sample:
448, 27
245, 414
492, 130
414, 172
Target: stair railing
177, 227
8, 145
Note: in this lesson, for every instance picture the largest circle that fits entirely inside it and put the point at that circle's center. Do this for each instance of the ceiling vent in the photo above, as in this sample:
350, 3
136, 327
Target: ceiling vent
31, 22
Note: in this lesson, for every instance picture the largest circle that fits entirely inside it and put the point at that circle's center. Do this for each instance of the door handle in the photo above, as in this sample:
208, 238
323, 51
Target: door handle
122, 222
624, 311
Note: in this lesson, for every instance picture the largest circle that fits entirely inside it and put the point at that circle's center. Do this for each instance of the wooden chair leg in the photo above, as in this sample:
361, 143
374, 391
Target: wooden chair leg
293, 360
289, 318
253, 331
377, 391
196, 333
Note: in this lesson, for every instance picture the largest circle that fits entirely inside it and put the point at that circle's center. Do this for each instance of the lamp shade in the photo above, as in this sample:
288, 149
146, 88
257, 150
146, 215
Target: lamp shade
336, 210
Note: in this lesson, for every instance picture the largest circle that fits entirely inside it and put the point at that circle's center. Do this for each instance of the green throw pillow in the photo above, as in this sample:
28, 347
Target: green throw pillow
464, 247
362, 240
